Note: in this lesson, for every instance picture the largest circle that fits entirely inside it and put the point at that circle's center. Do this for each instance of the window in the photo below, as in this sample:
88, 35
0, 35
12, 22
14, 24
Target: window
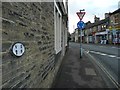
57, 23
99, 28
116, 18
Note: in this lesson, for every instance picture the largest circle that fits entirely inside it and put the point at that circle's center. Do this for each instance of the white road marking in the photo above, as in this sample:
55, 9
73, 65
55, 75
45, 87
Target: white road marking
106, 72
87, 51
113, 47
118, 57
111, 56
103, 68
103, 54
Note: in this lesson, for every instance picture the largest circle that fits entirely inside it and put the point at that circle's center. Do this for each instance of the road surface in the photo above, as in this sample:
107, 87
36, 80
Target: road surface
108, 57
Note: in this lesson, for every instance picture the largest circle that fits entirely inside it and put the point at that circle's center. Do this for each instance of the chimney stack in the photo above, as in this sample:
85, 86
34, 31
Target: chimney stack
96, 19
106, 15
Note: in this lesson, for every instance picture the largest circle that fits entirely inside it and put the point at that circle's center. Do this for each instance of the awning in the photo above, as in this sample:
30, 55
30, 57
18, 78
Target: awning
101, 33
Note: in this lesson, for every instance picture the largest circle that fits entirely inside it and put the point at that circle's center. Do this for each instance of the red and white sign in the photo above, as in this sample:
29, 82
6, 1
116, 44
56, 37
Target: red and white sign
80, 15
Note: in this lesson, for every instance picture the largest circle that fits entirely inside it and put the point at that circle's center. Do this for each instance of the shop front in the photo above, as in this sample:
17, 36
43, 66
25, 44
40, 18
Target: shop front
101, 37
115, 36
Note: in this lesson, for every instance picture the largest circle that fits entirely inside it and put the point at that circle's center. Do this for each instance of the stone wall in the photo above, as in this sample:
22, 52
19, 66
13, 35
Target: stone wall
33, 25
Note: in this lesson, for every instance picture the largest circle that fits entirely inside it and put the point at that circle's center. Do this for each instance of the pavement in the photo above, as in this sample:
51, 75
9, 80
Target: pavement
76, 72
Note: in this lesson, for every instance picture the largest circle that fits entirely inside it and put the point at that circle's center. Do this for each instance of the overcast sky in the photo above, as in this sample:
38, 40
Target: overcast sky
92, 7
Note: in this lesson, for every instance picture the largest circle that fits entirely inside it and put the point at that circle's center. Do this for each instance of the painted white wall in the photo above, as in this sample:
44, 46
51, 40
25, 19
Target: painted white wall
61, 31
58, 26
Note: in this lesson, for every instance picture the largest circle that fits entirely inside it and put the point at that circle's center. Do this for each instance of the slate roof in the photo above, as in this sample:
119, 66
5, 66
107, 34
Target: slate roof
97, 23
117, 11
101, 21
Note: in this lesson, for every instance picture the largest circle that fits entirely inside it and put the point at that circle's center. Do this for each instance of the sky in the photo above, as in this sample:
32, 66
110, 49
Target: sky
92, 8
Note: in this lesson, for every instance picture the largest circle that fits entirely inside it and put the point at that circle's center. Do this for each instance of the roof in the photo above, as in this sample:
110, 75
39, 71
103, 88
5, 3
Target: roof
102, 21
117, 11
97, 23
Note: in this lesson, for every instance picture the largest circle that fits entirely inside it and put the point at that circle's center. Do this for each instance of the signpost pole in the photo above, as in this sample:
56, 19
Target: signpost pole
81, 52
80, 26
81, 43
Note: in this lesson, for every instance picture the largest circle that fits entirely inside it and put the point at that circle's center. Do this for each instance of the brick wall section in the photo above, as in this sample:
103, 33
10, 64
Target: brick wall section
33, 25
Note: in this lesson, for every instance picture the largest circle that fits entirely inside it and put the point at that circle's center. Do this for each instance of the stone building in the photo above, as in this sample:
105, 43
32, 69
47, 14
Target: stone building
106, 31
41, 27
97, 31
72, 36
77, 35
114, 26
101, 35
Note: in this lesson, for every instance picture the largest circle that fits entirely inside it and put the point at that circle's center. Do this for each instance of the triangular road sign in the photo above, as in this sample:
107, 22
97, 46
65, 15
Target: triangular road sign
80, 15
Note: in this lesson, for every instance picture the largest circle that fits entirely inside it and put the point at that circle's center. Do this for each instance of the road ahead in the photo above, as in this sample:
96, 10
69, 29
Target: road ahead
107, 56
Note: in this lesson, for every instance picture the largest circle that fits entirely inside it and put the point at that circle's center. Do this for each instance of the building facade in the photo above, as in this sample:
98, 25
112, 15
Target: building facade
77, 35
72, 36
114, 26
106, 31
97, 32
42, 28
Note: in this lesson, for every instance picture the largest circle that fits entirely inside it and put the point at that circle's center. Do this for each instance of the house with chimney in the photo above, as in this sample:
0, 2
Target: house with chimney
96, 32
114, 27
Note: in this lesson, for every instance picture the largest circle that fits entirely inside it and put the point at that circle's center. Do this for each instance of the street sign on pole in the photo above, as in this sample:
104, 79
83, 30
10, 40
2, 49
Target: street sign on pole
80, 26
80, 15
